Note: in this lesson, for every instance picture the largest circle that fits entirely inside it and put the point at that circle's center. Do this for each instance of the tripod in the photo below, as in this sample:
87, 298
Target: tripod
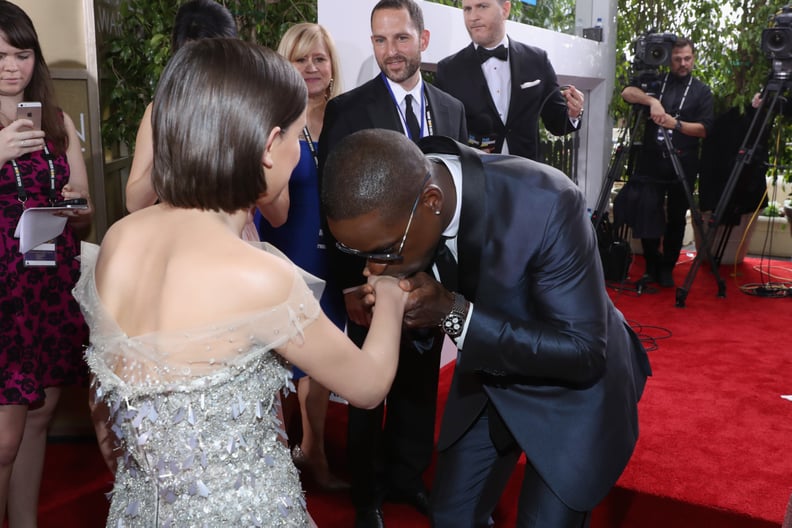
764, 115
616, 169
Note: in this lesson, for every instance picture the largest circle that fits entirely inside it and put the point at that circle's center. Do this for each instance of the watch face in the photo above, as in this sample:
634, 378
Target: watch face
452, 325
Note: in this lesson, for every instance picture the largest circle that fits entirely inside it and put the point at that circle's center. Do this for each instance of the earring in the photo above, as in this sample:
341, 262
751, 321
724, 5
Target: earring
330, 88
437, 212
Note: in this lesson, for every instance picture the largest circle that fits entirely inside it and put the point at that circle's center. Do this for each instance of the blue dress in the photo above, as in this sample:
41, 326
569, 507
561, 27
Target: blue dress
300, 238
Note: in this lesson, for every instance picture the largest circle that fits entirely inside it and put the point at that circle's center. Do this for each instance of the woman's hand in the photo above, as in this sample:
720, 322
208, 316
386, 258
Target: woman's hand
77, 217
18, 139
387, 289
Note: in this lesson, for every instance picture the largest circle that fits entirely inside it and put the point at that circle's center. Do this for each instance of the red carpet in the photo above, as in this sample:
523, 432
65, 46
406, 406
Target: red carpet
714, 428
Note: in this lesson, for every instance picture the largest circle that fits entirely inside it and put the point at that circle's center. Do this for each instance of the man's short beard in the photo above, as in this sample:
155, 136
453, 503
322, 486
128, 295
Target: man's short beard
412, 67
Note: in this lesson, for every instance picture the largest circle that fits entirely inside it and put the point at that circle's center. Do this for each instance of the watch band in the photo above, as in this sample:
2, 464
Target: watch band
454, 322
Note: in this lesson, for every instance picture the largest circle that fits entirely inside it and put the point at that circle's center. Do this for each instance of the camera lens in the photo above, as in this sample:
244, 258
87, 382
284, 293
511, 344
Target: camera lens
777, 41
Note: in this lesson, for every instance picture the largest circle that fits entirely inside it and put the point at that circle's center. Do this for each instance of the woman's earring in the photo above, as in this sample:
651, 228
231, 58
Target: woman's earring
330, 87
437, 212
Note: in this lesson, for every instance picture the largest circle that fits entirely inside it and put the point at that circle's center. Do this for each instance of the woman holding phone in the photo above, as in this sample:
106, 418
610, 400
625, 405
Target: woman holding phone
41, 329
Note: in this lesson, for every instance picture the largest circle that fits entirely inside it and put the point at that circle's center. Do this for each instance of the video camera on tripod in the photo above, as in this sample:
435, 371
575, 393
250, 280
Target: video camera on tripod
777, 46
777, 43
652, 50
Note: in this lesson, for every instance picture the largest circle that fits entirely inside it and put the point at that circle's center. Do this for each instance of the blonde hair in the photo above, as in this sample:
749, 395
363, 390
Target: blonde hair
300, 39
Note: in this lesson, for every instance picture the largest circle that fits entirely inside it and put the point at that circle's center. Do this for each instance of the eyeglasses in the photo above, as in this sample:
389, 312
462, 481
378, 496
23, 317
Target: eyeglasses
388, 257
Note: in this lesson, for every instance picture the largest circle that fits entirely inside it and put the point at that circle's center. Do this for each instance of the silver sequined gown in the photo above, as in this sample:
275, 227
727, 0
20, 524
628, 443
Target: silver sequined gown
195, 412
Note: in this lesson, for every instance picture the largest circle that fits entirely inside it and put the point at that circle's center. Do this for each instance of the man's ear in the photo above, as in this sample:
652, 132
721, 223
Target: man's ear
433, 197
424, 39
274, 136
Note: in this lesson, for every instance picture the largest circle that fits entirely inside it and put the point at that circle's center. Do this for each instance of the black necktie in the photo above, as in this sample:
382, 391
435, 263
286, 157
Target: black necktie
446, 266
409, 116
500, 53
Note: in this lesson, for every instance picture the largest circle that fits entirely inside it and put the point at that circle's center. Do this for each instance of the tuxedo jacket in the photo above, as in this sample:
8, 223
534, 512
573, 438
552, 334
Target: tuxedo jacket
544, 344
461, 76
371, 105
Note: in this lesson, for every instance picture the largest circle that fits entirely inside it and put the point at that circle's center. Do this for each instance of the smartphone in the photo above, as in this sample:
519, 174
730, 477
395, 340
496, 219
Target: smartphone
32, 111
74, 203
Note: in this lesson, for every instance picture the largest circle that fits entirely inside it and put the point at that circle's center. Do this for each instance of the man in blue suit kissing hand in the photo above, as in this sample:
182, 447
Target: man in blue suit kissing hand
546, 366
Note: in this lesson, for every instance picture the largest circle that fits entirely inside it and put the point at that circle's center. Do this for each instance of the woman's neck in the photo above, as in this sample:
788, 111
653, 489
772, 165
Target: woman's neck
315, 115
233, 222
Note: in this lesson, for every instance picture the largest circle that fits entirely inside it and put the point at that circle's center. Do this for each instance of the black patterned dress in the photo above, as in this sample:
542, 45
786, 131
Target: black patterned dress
42, 332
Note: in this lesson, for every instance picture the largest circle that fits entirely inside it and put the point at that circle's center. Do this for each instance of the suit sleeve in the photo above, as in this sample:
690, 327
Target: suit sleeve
565, 337
346, 269
554, 113
463, 131
440, 76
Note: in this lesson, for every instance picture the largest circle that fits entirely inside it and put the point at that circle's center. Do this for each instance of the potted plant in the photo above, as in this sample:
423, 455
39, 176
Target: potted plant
770, 237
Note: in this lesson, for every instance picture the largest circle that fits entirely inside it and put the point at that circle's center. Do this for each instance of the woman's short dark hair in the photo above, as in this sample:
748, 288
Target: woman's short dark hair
216, 104
200, 19
18, 31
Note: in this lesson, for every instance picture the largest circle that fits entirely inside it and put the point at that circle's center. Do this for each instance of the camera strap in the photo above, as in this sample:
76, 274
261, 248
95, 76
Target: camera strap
311, 146
684, 94
426, 115
21, 194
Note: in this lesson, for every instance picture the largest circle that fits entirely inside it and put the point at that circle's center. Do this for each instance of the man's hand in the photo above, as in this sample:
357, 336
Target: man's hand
574, 100
359, 302
427, 303
658, 114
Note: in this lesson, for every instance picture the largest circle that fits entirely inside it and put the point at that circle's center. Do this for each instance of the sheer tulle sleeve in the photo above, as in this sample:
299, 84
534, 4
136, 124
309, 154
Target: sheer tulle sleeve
193, 357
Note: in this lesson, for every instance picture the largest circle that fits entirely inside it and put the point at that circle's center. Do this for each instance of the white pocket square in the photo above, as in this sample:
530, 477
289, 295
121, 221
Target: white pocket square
529, 84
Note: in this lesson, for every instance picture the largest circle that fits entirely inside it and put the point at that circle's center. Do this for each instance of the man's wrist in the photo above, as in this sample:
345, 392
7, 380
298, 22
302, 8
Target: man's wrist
678, 126
454, 322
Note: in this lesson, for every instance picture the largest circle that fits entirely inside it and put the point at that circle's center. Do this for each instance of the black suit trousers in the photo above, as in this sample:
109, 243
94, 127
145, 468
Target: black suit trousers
391, 446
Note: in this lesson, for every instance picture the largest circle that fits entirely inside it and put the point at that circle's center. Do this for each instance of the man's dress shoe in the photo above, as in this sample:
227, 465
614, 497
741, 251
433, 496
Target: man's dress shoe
369, 518
418, 499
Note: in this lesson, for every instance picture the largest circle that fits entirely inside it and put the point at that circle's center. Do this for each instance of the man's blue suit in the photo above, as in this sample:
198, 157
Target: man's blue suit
545, 346
460, 75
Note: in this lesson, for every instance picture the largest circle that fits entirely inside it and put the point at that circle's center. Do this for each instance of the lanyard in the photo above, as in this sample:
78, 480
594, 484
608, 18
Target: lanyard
311, 146
426, 116
684, 95
21, 194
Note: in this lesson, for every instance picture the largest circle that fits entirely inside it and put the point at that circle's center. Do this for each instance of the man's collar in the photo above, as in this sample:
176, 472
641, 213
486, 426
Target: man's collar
680, 80
399, 92
504, 42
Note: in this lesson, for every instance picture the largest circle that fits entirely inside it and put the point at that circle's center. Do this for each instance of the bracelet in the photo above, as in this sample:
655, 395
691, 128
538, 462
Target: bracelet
678, 125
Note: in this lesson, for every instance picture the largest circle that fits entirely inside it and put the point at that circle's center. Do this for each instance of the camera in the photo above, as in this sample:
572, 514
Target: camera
777, 43
654, 49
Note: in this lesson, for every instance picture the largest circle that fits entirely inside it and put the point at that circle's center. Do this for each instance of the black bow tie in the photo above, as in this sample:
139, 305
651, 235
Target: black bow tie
501, 52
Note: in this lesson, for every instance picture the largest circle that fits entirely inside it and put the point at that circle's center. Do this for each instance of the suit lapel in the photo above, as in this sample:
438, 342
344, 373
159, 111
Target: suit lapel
472, 222
380, 99
517, 69
479, 81
439, 112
